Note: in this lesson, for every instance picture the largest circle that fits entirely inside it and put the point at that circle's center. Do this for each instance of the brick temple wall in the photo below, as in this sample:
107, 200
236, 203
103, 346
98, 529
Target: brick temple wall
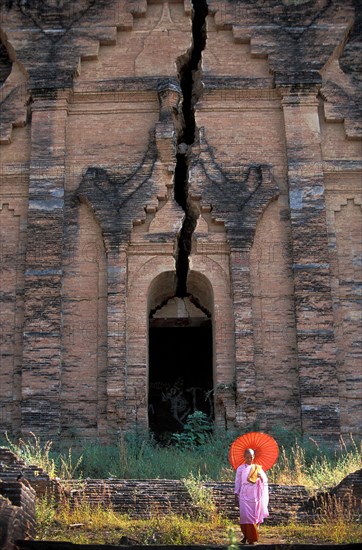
93, 132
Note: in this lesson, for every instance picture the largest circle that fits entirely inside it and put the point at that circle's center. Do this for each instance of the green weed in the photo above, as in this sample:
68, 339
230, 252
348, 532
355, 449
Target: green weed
69, 467
233, 543
201, 496
45, 514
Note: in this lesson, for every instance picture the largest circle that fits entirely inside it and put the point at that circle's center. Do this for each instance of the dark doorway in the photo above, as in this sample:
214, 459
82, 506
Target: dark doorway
180, 373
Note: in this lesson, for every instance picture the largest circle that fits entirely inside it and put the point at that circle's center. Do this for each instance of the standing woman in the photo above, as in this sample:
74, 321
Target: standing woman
252, 497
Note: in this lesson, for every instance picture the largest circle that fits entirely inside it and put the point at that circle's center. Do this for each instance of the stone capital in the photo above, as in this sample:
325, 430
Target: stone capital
53, 99
302, 92
169, 95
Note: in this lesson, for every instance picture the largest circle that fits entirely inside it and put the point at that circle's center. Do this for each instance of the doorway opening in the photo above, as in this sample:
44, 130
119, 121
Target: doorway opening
180, 366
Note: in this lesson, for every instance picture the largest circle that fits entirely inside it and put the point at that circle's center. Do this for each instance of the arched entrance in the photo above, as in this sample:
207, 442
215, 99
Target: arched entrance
180, 376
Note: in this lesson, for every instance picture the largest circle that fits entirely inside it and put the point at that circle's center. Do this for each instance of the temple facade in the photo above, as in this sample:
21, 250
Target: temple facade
180, 216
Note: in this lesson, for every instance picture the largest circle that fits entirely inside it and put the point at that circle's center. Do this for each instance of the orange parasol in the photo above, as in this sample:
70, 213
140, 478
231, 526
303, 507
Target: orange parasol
265, 448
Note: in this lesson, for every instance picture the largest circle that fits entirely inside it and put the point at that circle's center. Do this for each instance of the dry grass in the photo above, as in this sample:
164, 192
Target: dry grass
316, 470
335, 532
85, 524
34, 453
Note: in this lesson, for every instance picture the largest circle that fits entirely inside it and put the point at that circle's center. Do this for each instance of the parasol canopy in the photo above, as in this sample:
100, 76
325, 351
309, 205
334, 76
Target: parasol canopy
265, 448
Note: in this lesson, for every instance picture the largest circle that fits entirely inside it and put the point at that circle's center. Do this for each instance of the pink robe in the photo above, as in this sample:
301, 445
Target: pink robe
253, 497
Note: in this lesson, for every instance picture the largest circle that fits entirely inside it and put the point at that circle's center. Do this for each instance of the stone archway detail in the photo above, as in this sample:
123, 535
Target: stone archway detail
212, 289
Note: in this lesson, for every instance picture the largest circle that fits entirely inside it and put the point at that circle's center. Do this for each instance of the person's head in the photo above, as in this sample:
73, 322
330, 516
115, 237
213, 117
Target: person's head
249, 456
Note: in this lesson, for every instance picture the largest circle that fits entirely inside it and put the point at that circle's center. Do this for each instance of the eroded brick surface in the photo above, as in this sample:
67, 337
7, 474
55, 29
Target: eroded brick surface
93, 130
17, 512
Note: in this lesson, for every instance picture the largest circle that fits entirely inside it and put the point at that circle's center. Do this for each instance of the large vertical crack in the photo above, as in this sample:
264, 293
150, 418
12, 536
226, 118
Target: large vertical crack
189, 71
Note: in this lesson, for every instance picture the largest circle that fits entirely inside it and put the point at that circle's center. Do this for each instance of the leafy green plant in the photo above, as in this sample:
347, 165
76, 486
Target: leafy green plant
196, 431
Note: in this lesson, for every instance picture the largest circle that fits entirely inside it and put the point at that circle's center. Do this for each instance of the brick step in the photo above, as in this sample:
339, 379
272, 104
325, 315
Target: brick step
11, 466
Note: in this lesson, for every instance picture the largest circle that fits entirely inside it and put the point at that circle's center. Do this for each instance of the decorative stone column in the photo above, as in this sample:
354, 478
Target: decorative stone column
116, 330
311, 264
43, 276
244, 335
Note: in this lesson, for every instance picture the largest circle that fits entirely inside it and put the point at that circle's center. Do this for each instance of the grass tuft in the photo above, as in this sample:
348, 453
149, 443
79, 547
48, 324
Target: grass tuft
201, 496
34, 453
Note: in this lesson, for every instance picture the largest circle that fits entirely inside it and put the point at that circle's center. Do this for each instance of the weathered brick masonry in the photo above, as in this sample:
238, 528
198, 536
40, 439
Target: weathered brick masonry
180, 215
141, 498
17, 512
